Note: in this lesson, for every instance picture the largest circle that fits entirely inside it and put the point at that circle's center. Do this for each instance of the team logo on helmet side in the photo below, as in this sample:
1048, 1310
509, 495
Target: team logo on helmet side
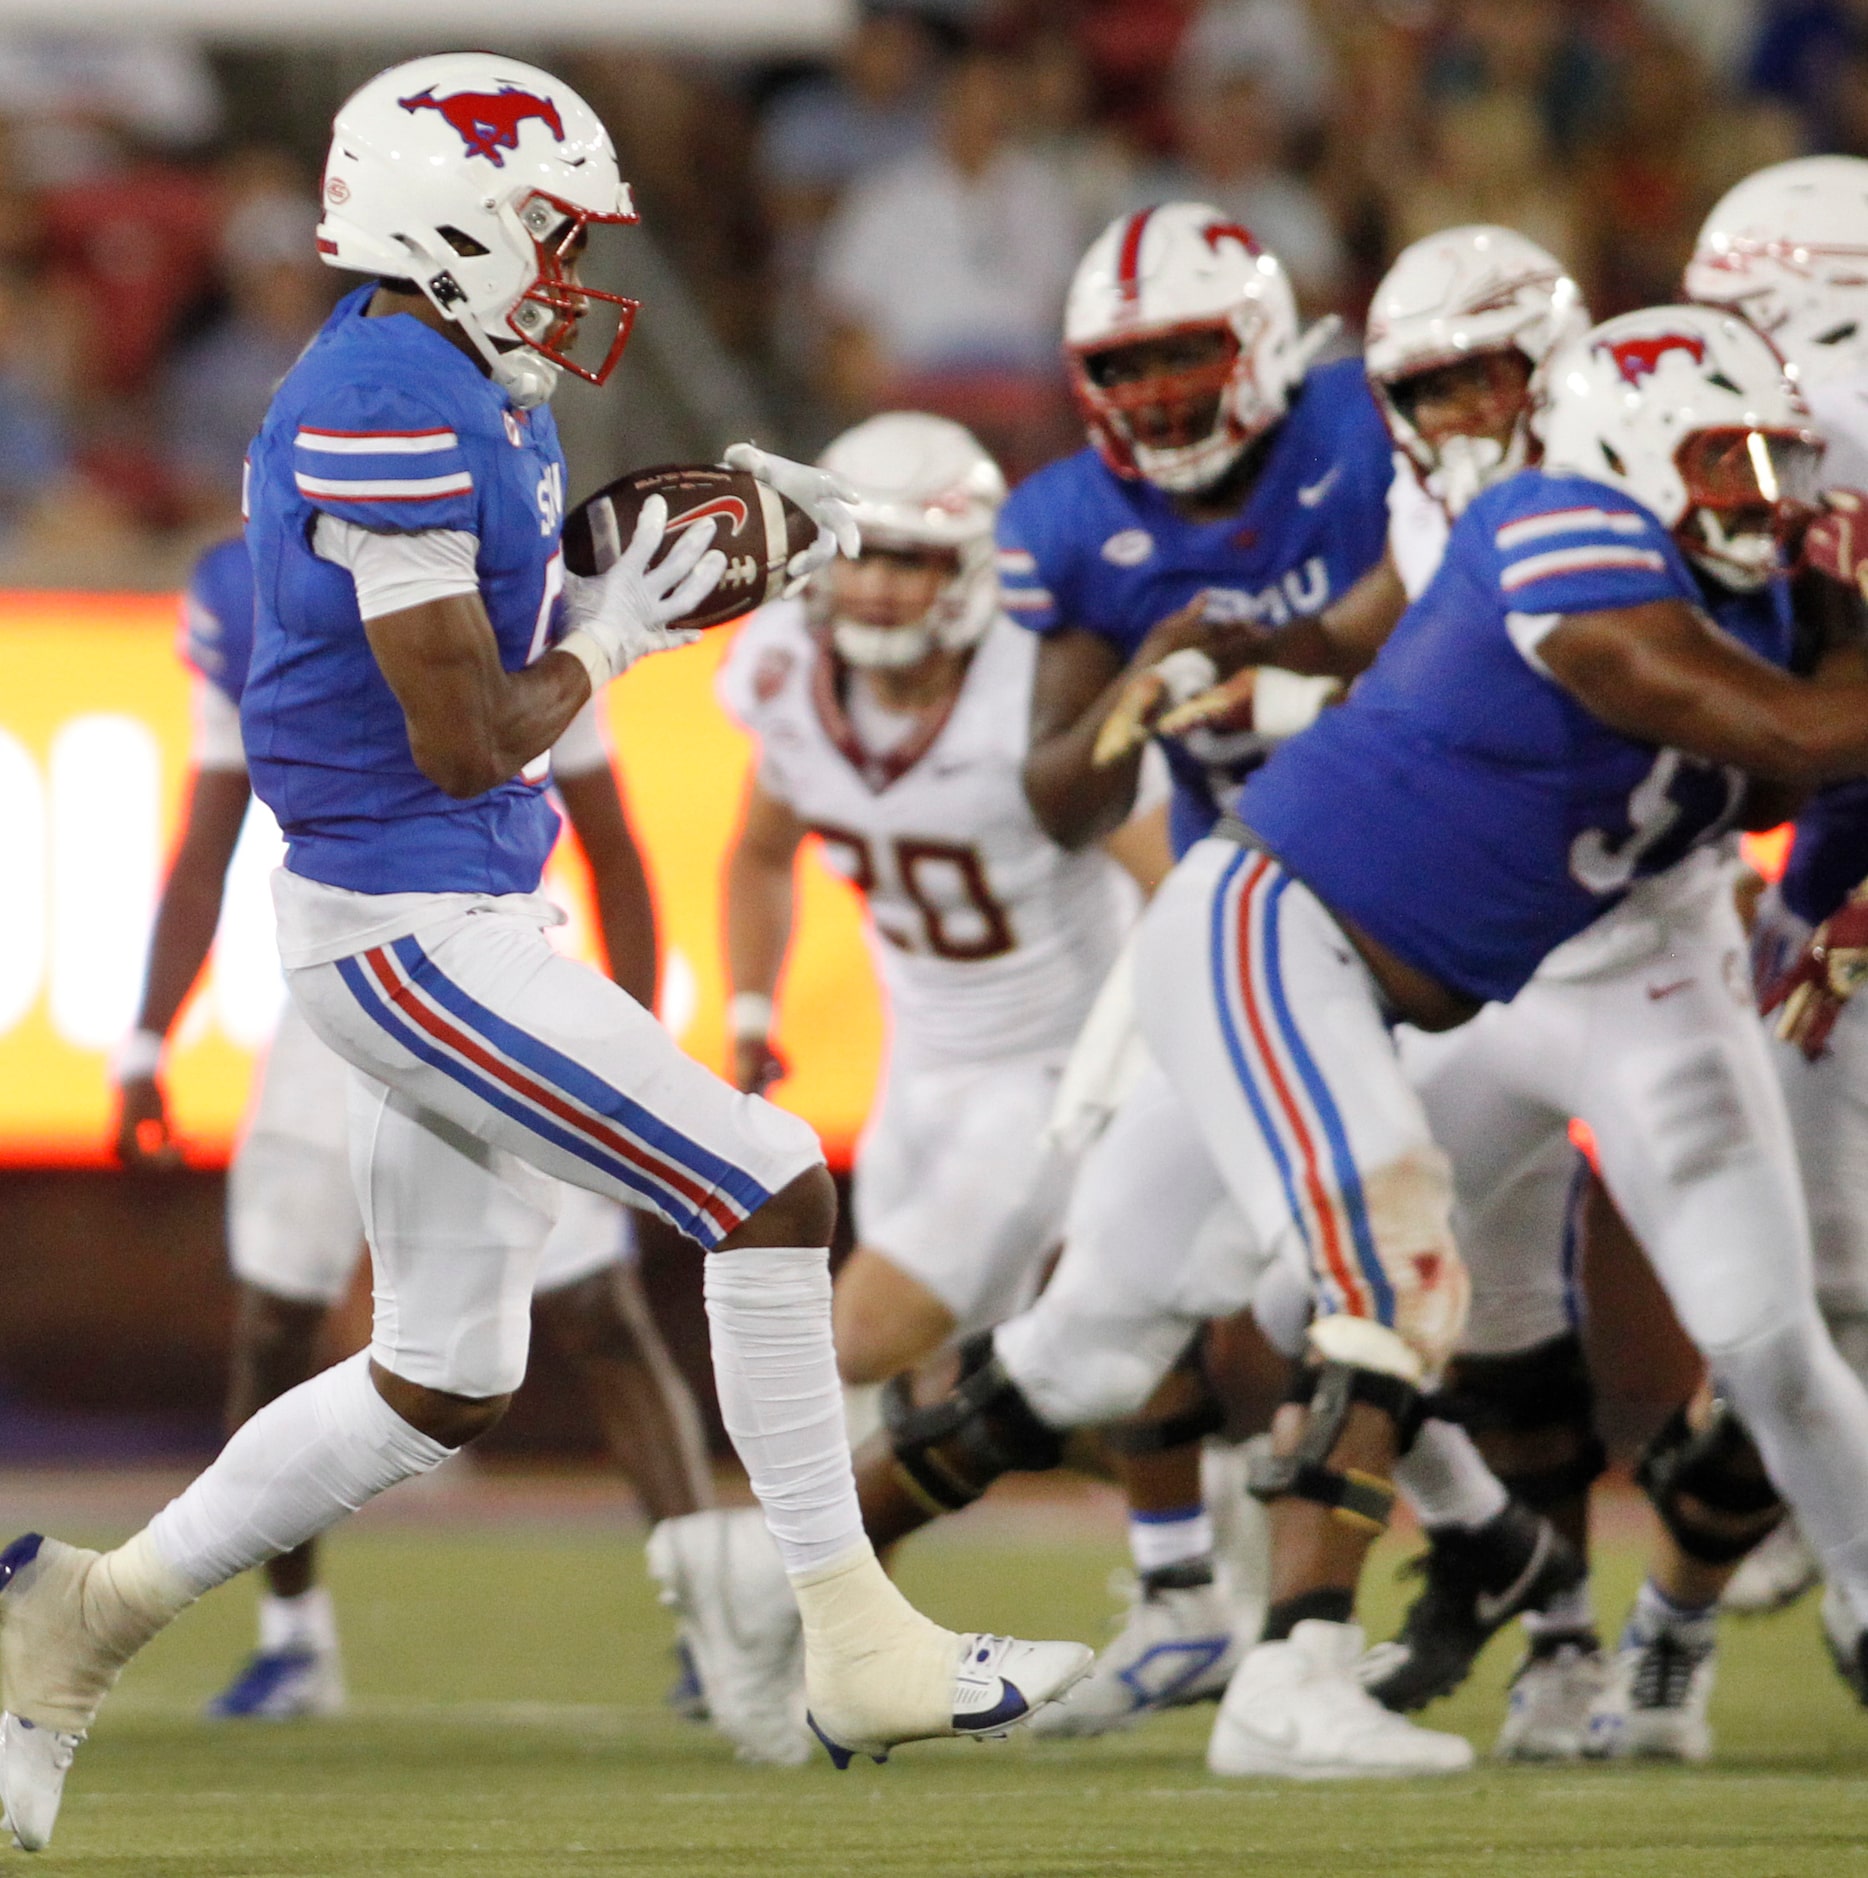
1216, 232
1637, 359
488, 121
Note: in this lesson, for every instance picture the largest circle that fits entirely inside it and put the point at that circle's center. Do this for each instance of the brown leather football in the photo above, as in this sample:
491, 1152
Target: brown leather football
754, 527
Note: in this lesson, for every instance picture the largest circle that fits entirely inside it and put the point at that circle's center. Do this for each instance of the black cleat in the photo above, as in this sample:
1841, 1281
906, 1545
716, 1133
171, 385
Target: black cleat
1477, 1582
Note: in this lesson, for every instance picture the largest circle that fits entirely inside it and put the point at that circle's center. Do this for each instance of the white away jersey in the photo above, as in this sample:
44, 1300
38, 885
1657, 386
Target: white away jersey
990, 940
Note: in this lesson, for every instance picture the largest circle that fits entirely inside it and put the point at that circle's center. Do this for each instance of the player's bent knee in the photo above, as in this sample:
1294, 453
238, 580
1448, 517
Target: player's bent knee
1410, 1206
1708, 1485
452, 1420
804, 1213
949, 1452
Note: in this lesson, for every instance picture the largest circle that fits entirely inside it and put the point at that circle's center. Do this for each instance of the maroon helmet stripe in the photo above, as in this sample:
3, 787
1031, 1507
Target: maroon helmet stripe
1128, 263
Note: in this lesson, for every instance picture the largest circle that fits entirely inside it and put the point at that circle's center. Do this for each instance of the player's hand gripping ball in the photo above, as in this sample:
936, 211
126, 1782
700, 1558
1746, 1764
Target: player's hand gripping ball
759, 531
1826, 974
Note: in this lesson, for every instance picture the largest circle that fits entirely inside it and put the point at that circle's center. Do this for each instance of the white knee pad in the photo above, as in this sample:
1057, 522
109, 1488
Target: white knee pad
1078, 1368
1410, 1207
293, 1228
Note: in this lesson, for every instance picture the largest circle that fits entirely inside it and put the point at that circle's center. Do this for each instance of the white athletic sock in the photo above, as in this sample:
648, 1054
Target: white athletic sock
297, 1467
1158, 1540
862, 1411
306, 1623
768, 1308
1446, 1481
1654, 1612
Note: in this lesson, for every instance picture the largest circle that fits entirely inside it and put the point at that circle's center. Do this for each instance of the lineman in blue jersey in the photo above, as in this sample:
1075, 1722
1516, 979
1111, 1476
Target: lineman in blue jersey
410, 671
1226, 484
293, 1230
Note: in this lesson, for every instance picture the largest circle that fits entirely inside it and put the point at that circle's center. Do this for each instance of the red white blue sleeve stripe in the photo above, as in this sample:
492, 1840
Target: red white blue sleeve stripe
422, 472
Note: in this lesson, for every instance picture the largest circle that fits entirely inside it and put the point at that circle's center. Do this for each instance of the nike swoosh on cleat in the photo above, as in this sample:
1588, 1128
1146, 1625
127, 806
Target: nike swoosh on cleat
1492, 1608
19, 1555
1310, 494
1010, 1707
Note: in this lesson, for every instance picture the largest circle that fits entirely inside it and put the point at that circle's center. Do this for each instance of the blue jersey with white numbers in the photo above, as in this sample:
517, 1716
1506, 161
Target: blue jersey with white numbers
217, 617
1080, 546
1829, 858
1461, 806
385, 423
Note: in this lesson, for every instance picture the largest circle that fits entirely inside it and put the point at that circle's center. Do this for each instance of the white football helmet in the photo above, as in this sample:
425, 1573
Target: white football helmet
480, 179
920, 482
1788, 249
1690, 411
1457, 295
1182, 268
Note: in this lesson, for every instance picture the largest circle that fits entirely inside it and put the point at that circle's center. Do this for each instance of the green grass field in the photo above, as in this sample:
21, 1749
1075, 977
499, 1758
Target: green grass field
508, 1723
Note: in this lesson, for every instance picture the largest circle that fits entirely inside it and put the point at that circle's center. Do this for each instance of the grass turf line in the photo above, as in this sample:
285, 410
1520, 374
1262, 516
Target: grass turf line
509, 1724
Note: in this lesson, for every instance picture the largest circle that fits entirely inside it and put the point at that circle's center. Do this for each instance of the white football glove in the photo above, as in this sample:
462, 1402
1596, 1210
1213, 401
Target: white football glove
624, 614
828, 500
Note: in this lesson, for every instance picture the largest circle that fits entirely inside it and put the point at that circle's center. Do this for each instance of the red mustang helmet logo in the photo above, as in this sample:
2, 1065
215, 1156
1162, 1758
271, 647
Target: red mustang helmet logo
488, 121
1216, 232
1637, 359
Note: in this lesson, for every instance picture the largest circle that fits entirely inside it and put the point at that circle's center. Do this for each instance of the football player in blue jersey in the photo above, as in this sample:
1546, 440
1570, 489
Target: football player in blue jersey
412, 666
293, 1231
1553, 720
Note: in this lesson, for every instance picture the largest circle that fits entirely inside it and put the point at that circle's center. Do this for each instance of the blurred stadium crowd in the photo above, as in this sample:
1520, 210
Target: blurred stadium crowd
893, 229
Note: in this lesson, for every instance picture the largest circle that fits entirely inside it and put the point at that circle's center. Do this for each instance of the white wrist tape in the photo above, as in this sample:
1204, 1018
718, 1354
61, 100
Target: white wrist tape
749, 1017
585, 648
137, 1057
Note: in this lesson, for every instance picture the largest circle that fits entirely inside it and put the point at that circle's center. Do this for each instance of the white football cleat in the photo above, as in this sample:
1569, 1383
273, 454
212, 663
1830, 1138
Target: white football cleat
998, 1683
722, 1572
33, 1766
1847, 1642
52, 1672
1552, 1697
1775, 1574
1295, 1711
283, 1685
1176, 1647
1653, 1704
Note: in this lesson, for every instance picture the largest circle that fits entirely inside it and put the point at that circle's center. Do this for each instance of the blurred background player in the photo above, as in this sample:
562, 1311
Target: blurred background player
1788, 248
293, 1229
1227, 481
405, 515
891, 713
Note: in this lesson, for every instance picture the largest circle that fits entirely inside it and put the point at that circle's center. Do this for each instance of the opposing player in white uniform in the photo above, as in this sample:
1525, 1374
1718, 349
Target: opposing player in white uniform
294, 1233
1788, 248
411, 666
891, 713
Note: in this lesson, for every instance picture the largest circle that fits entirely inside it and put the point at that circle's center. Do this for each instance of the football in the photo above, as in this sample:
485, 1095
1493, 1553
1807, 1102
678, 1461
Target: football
755, 528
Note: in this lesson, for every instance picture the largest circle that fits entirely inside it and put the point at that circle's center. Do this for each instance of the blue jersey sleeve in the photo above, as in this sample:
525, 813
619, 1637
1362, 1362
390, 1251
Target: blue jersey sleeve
1034, 571
1577, 548
386, 459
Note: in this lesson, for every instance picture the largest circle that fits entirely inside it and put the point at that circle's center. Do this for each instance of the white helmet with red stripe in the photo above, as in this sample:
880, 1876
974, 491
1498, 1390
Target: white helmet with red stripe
922, 483
1462, 294
1180, 272
480, 179
1690, 411
1788, 249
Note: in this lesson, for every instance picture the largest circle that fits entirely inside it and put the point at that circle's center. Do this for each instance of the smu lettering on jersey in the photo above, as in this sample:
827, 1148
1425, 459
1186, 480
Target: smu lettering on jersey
385, 423
1082, 547
990, 940
1461, 806
217, 618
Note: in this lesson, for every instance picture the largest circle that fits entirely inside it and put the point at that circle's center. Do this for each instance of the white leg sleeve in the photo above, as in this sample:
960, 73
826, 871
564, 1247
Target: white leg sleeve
769, 1311
297, 1467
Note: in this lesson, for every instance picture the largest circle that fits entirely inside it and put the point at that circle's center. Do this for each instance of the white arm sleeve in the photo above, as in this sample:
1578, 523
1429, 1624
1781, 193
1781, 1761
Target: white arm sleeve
217, 729
393, 572
582, 745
